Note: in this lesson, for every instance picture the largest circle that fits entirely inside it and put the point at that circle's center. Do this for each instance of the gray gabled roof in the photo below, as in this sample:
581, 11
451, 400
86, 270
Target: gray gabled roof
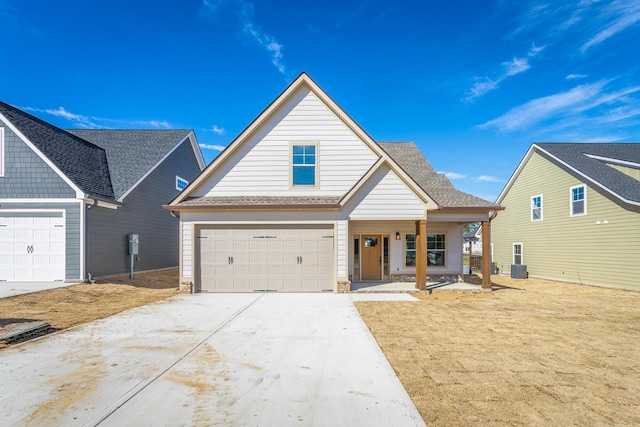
85, 164
580, 157
132, 153
409, 157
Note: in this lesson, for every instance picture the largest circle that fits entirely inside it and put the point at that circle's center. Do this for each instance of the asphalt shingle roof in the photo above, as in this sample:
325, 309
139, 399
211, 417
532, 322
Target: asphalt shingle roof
409, 157
576, 155
84, 163
131, 153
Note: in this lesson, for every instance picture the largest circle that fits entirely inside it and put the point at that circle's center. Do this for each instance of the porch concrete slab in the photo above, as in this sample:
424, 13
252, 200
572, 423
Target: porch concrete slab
381, 296
9, 289
209, 359
384, 287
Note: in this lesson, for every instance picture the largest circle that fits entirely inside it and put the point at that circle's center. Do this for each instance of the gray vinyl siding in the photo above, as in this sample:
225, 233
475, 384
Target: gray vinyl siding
72, 232
26, 175
142, 214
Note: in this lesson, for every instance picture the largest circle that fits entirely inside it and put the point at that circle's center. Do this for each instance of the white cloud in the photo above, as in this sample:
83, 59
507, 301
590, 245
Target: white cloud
488, 178
511, 68
539, 109
535, 50
454, 175
576, 76
212, 147
93, 122
217, 130
244, 11
617, 16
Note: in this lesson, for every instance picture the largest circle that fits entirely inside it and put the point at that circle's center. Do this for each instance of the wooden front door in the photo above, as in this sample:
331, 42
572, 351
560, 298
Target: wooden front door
372, 257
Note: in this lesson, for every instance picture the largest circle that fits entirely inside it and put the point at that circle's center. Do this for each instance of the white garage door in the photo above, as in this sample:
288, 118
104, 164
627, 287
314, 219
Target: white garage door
263, 258
32, 246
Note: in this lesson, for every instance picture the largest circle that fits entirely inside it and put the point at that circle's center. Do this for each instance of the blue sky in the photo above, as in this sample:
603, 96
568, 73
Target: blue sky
473, 83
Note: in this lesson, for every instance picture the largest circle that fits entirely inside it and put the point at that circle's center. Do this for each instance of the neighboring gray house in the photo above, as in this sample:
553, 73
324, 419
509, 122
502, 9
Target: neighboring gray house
69, 199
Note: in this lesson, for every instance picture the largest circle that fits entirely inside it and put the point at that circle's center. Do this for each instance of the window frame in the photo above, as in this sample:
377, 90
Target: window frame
513, 253
314, 144
442, 250
2, 151
178, 179
408, 250
584, 200
533, 208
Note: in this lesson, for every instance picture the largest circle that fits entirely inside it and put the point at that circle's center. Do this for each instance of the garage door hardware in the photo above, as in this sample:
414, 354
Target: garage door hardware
327, 237
201, 237
265, 237
299, 260
230, 260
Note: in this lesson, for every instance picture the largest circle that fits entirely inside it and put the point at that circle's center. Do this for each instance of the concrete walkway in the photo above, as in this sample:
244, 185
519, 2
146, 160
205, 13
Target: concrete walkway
209, 359
9, 289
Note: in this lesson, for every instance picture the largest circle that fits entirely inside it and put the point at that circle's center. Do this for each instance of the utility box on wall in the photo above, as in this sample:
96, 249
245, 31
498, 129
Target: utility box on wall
133, 244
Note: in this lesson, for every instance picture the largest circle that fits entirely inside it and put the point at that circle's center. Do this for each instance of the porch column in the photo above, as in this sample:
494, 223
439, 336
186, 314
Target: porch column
486, 255
421, 254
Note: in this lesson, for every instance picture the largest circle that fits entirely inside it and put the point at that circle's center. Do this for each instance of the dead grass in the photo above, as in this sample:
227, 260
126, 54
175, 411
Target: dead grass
72, 305
531, 353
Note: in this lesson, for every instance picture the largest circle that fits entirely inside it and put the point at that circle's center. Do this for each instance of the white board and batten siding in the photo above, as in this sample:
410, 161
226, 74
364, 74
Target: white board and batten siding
262, 165
389, 198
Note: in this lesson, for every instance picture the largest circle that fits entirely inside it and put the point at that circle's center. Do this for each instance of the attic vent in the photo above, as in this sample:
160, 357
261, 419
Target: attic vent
181, 183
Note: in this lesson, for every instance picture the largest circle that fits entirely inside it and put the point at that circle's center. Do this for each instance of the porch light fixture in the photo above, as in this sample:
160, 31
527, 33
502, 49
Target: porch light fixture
397, 235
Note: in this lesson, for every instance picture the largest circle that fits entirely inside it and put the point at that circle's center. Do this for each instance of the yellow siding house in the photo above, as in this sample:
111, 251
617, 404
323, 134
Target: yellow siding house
572, 213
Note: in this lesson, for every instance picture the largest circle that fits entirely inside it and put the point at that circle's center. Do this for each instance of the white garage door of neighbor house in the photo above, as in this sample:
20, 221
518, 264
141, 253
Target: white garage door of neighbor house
32, 246
266, 258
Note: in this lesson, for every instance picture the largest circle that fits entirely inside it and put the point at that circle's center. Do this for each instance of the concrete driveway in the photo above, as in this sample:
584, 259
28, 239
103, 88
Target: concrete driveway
209, 359
9, 289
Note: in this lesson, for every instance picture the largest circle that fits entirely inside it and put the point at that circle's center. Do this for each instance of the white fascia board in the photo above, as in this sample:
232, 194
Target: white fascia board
614, 161
516, 173
38, 201
79, 193
133, 187
196, 150
589, 179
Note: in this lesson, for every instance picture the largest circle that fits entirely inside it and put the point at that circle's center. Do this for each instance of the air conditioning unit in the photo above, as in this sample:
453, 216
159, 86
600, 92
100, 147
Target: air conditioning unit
519, 271
494, 268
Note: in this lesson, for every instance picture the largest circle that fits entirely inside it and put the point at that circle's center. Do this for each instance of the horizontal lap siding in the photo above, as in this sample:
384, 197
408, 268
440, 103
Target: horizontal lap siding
389, 198
262, 165
141, 214
561, 247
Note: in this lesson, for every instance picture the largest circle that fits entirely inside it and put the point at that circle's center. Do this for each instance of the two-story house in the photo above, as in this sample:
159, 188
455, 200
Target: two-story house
305, 200
572, 213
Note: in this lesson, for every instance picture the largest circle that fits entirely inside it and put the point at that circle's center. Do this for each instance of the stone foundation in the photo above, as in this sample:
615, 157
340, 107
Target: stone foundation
403, 277
344, 286
186, 286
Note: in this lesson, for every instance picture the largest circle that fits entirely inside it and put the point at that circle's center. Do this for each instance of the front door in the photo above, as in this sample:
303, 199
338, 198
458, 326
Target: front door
372, 257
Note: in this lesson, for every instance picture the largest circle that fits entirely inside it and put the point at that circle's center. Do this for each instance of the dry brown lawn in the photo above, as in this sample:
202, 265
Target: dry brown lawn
531, 353
72, 305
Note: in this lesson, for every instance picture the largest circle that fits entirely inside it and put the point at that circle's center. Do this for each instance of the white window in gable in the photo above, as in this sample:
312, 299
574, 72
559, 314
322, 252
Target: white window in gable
303, 165
536, 208
1, 151
579, 200
181, 183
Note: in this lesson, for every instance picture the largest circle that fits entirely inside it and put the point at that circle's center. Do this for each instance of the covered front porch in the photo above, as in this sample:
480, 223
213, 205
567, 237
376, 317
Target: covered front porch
410, 254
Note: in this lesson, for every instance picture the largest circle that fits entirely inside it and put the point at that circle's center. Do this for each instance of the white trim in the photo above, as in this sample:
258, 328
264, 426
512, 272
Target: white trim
39, 200
179, 178
614, 161
541, 208
2, 151
584, 213
83, 241
513, 255
153, 168
316, 165
79, 193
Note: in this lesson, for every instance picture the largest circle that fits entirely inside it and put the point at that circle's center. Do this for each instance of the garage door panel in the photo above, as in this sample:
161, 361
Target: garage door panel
268, 258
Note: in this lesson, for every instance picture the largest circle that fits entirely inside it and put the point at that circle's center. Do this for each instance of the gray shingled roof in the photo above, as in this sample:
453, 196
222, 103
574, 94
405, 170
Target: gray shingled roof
85, 164
409, 157
132, 153
265, 201
576, 155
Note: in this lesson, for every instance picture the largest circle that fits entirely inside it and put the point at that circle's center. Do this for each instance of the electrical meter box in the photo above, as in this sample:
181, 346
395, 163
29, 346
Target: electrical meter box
133, 244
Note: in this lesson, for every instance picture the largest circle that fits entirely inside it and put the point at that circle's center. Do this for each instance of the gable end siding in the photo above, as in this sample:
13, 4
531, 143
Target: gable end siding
26, 175
582, 249
142, 214
262, 165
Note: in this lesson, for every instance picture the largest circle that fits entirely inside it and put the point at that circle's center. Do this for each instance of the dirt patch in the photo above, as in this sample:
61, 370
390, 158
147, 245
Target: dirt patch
72, 305
530, 353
